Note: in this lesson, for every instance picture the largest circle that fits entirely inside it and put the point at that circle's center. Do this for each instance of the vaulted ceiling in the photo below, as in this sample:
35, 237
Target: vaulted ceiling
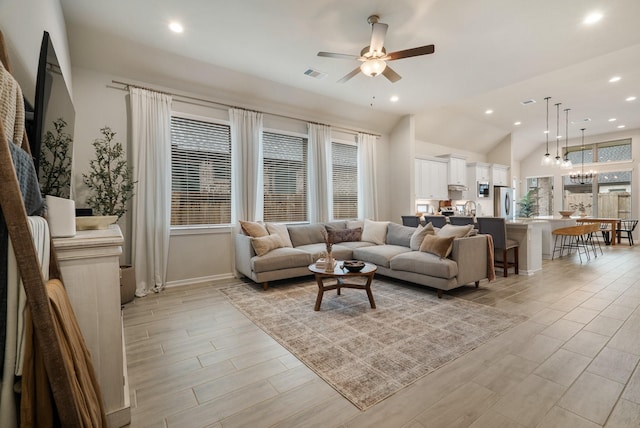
490, 54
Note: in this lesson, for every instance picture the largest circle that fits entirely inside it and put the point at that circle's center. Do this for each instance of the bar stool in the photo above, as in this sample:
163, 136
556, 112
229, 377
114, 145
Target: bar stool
459, 220
573, 237
497, 228
436, 220
410, 220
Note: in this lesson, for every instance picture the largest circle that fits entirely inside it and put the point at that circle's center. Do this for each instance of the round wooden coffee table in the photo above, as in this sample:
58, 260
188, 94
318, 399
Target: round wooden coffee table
340, 274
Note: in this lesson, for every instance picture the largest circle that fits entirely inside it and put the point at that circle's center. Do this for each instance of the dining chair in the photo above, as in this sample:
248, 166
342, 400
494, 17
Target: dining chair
497, 228
436, 220
410, 220
626, 230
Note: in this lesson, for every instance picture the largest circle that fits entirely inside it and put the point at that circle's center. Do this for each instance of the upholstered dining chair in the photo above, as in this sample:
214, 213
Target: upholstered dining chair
436, 220
460, 220
497, 228
410, 220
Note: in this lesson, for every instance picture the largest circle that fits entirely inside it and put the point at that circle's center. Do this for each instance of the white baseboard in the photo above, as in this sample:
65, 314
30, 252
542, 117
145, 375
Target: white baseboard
200, 280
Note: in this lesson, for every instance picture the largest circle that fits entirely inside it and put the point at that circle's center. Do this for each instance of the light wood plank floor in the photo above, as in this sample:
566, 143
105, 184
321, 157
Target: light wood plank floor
196, 361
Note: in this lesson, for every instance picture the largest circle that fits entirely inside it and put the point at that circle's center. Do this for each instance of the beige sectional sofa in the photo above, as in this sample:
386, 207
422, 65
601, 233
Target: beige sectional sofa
391, 252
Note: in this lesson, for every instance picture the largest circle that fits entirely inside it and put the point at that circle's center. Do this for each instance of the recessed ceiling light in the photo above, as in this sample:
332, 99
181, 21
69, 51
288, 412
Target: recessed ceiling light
630, 99
592, 18
394, 98
613, 119
517, 123
488, 111
621, 126
615, 79
176, 27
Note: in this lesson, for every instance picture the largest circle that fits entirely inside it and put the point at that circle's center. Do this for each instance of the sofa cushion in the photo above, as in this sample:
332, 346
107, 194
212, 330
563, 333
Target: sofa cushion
352, 224
306, 234
338, 224
264, 244
253, 229
455, 231
375, 231
280, 230
398, 234
356, 244
419, 234
425, 264
379, 254
280, 258
439, 245
343, 235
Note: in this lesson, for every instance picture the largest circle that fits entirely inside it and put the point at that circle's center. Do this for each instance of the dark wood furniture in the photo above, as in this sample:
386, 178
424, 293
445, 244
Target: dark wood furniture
340, 273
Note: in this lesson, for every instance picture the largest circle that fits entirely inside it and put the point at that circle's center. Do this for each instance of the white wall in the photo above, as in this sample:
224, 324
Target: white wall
401, 163
23, 23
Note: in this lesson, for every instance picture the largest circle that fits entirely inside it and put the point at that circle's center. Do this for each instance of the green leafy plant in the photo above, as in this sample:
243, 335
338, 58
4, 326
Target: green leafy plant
55, 161
529, 204
110, 179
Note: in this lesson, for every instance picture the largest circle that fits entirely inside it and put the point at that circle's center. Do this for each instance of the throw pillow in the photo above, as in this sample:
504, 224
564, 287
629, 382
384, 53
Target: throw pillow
375, 231
455, 231
398, 234
419, 234
439, 245
343, 235
354, 224
281, 231
307, 234
264, 244
253, 229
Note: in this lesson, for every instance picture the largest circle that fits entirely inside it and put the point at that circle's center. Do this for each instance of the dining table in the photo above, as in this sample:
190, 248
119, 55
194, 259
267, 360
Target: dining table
614, 223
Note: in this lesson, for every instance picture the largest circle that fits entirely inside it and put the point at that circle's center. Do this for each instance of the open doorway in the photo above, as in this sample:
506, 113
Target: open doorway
543, 188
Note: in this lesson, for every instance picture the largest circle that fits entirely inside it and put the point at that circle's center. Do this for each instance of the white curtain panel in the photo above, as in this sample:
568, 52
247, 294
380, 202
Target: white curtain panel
320, 184
246, 165
151, 143
367, 188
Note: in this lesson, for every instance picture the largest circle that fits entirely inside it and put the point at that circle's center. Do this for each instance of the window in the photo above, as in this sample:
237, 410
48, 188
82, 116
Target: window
285, 177
200, 172
609, 151
345, 180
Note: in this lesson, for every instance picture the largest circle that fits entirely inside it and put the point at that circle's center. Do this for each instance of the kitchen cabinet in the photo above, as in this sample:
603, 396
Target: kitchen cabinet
456, 170
431, 179
500, 175
477, 172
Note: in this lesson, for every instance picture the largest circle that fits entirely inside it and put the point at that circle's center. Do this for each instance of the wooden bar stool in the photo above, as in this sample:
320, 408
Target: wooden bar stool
573, 237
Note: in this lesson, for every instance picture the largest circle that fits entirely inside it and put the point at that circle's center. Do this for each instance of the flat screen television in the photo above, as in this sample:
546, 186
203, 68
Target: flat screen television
51, 139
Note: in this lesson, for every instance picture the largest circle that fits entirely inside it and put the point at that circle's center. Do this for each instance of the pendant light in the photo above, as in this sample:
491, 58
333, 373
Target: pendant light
546, 158
558, 159
566, 163
582, 177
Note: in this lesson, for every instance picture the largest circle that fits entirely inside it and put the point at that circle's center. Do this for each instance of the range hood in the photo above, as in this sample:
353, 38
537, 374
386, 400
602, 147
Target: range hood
457, 188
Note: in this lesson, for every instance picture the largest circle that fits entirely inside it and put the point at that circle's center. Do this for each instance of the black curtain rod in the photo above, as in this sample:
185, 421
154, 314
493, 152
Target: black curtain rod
126, 86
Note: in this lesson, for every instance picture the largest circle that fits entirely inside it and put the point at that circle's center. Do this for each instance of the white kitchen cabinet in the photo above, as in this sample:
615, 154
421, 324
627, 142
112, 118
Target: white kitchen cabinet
431, 179
456, 170
500, 175
477, 172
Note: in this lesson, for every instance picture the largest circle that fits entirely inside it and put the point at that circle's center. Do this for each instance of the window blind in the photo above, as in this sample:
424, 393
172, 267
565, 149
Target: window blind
285, 177
200, 172
345, 180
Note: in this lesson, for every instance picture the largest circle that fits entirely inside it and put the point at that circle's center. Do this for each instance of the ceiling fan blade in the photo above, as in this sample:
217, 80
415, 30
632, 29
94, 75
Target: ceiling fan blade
378, 32
391, 75
337, 55
350, 75
407, 53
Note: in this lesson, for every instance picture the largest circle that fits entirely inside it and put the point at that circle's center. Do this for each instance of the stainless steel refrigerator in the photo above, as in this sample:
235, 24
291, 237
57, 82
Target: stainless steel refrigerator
503, 204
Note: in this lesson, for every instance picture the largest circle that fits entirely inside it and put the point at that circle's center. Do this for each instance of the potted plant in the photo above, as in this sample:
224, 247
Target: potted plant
111, 185
55, 161
529, 204
581, 207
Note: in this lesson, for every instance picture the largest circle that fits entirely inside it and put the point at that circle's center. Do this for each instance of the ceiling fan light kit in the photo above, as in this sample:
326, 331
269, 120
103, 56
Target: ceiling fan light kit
374, 57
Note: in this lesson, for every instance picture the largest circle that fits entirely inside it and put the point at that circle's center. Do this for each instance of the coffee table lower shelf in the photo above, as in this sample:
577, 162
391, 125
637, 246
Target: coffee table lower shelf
340, 274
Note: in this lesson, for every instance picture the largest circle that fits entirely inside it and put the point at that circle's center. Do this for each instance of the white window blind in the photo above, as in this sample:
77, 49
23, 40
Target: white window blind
345, 180
200, 172
285, 178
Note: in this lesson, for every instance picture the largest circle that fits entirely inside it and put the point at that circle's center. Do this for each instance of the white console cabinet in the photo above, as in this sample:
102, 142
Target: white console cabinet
90, 267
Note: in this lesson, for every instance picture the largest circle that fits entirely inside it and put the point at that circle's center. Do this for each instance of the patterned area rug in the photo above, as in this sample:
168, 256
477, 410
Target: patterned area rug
369, 354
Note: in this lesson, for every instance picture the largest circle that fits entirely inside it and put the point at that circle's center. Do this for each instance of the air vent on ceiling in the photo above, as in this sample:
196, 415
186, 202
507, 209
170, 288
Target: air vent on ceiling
586, 119
527, 102
315, 73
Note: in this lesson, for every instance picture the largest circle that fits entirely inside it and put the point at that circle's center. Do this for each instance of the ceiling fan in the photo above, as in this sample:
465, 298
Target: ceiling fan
374, 57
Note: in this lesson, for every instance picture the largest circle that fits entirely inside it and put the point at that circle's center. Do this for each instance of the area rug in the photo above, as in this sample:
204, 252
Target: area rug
369, 354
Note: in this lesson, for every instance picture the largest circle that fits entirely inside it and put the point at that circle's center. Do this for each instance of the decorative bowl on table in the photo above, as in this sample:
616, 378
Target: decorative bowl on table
353, 265
565, 214
95, 222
